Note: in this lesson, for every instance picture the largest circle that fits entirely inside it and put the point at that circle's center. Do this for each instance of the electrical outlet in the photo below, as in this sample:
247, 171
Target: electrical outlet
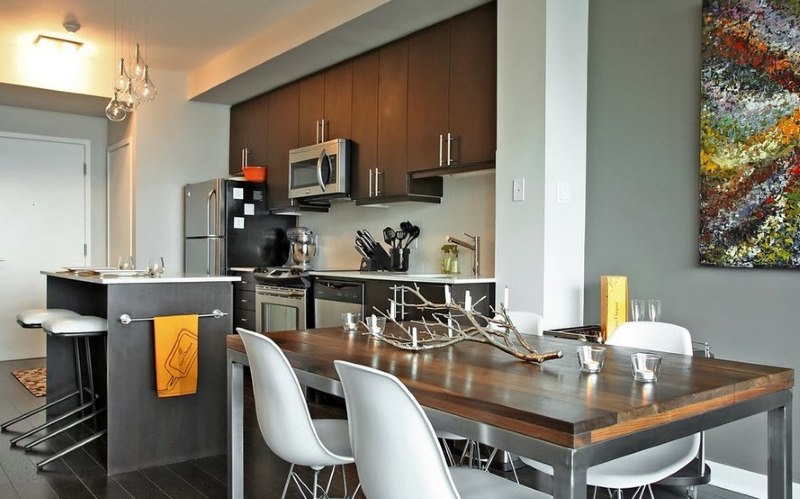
518, 190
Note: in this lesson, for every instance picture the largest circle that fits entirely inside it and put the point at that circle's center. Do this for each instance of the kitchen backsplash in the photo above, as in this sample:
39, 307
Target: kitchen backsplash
467, 206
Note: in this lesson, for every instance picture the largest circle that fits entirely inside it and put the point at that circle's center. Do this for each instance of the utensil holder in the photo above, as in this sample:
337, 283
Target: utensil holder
400, 259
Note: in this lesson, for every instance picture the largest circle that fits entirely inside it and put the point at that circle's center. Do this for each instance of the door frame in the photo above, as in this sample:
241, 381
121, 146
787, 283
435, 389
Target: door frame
87, 180
126, 142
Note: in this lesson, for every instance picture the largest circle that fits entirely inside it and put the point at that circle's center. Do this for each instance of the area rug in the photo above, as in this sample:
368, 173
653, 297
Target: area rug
35, 380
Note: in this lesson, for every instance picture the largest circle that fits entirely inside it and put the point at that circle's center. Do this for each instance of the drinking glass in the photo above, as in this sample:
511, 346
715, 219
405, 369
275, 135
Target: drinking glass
350, 321
637, 310
125, 263
155, 266
654, 308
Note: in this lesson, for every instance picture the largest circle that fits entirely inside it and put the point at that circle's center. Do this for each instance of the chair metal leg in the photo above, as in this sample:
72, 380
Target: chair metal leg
286, 485
61, 430
78, 369
37, 410
50, 423
448, 454
316, 483
75, 446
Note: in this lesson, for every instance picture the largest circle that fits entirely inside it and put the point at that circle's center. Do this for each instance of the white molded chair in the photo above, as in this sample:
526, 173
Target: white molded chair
285, 422
395, 447
640, 469
527, 322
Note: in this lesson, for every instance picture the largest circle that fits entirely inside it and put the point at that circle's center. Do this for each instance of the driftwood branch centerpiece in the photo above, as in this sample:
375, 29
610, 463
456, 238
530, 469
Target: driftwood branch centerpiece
449, 323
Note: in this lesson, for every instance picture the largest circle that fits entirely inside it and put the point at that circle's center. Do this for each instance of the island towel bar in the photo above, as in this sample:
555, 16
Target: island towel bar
126, 319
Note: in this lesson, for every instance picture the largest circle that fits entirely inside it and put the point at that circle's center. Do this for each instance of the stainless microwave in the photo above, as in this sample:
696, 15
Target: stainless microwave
321, 170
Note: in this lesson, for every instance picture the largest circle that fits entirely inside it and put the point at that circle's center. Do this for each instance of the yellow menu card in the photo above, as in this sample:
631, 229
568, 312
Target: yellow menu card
613, 303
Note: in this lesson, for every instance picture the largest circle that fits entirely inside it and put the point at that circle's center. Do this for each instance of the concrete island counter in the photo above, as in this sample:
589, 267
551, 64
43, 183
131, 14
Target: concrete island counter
143, 429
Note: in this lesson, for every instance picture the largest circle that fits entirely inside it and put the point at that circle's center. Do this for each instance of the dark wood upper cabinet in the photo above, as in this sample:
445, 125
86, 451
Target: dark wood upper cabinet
338, 101
248, 134
284, 107
428, 95
312, 108
473, 85
364, 125
392, 118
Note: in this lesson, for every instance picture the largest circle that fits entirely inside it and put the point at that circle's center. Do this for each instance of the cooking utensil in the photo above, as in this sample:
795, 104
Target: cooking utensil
399, 236
413, 234
388, 236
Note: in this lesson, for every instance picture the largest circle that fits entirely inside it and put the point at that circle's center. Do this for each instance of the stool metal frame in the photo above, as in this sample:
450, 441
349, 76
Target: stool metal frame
4, 426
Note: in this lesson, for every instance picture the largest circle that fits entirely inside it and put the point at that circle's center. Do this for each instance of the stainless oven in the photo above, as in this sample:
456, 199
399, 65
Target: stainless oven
280, 308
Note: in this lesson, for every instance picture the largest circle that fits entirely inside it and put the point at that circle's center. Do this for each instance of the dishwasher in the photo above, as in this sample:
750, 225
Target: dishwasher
333, 297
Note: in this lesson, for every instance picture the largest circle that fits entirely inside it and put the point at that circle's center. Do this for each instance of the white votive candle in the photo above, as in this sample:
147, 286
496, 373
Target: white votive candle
591, 365
467, 302
505, 298
447, 294
393, 309
414, 337
374, 321
645, 374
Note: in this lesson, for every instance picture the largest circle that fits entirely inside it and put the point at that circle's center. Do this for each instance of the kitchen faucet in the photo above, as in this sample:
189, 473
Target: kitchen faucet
475, 247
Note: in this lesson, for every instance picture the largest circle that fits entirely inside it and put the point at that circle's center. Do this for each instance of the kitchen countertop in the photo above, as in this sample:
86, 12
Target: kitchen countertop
405, 277
139, 279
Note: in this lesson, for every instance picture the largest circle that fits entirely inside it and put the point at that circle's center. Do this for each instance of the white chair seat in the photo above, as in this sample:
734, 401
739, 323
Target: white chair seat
83, 325
646, 466
33, 317
474, 483
334, 434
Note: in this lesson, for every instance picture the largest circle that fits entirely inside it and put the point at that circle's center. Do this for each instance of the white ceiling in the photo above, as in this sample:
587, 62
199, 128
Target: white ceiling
231, 50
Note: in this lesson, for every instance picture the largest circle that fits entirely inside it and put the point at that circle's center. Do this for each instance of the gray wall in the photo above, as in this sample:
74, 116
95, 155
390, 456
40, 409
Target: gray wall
642, 197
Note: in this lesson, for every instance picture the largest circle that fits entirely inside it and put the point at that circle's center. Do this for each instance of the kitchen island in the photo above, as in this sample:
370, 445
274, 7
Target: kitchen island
144, 430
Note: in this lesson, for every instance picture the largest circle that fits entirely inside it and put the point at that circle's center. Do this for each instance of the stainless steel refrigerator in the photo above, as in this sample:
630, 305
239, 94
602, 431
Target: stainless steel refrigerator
227, 224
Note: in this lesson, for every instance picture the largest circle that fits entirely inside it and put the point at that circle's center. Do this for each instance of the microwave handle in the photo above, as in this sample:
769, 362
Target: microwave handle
322, 155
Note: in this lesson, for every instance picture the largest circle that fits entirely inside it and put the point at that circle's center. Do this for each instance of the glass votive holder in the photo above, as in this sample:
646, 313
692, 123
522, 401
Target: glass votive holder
350, 321
375, 324
590, 359
645, 366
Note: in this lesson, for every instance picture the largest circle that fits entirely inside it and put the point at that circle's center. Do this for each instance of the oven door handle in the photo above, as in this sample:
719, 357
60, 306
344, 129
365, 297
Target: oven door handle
279, 293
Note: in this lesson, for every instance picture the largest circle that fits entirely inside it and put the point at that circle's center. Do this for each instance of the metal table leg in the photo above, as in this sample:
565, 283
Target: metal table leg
235, 429
779, 460
569, 477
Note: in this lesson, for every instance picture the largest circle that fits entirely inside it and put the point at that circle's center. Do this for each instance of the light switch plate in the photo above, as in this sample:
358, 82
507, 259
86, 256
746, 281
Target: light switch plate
518, 190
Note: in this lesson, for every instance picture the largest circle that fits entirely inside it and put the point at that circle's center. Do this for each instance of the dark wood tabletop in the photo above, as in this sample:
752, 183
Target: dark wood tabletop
553, 401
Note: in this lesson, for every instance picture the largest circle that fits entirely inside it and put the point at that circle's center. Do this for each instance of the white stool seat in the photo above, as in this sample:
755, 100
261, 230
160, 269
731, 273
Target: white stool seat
33, 317
474, 483
83, 325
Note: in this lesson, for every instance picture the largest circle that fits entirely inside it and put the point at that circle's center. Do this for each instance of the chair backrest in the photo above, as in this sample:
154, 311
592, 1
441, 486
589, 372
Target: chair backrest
527, 322
395, 448
661, 336
281, 409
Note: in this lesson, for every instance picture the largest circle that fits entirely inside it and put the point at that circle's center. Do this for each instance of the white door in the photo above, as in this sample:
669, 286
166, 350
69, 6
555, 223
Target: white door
120, 202
43, 213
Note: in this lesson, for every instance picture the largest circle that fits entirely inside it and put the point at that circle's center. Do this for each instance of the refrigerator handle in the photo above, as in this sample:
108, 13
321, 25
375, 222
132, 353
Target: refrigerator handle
211, 194
208, 255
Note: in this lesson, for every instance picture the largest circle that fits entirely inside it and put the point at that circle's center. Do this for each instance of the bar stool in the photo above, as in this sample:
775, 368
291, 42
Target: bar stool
32, 318
76, 328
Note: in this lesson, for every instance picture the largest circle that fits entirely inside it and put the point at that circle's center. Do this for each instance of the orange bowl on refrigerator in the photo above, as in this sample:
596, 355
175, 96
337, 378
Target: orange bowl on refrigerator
255, 173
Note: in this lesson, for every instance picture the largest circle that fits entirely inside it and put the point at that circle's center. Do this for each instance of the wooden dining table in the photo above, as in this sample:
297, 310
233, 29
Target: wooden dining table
551, 412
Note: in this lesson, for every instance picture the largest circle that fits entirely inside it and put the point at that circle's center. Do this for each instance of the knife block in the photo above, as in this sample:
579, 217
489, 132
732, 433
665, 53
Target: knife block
377, 262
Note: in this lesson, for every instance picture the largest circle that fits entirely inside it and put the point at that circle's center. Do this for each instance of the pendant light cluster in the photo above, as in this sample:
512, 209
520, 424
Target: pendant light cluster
132, 83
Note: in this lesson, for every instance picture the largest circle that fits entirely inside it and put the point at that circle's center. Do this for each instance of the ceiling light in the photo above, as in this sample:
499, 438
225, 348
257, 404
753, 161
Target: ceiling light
54, 43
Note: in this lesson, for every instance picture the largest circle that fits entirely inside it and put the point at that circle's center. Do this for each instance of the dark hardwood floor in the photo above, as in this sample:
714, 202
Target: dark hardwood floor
82, 475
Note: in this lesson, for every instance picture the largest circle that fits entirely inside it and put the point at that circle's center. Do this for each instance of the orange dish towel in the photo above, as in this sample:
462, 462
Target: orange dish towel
176, 342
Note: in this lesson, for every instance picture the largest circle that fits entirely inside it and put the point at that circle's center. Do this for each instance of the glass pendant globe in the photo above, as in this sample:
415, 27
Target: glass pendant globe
121, 80
128, 98
137, 66
115, 111
145, 90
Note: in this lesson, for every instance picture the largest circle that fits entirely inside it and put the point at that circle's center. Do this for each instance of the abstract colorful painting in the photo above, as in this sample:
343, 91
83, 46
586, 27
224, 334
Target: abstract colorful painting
750, 134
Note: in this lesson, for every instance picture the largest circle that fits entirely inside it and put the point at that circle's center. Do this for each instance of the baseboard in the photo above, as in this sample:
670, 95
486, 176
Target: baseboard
742, 481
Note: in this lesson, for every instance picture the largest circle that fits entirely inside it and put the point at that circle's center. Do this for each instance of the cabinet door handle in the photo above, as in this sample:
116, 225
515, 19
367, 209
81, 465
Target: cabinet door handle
323, 129
449, 149
244, 301
377, 191
441, 140
370, 182
243, 160
316, 129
